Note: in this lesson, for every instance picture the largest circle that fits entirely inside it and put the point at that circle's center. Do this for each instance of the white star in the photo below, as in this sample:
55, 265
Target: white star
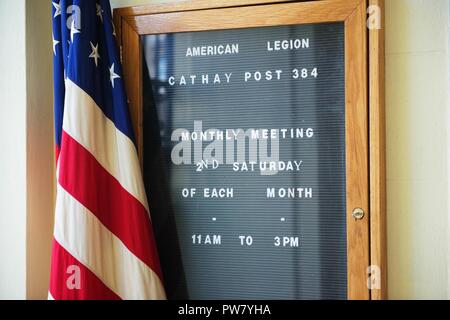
57, 9
112, 75
55, 43
94, 54
73, 30
100, 12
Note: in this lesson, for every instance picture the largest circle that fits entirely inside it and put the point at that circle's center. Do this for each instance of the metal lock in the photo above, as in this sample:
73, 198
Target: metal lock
358, 213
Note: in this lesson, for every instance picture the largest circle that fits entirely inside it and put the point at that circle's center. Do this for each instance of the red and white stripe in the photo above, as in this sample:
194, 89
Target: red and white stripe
102, 222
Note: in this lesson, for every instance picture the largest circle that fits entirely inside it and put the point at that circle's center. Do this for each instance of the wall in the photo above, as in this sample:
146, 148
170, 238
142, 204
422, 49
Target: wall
26, 160
417, 147
40, 147
12, 146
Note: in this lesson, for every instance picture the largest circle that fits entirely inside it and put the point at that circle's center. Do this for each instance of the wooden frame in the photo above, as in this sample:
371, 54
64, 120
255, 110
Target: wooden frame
377, 138
364, 65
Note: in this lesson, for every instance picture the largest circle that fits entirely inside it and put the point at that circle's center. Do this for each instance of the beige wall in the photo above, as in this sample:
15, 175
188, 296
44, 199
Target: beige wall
40, 147
26, 158
12, 149
417, 147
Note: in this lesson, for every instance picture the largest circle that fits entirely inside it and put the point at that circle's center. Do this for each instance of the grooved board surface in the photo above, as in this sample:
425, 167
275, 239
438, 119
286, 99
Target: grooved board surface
242, 92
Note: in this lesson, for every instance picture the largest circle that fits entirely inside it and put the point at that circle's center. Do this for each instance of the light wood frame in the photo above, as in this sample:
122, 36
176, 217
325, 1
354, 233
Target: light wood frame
364, 90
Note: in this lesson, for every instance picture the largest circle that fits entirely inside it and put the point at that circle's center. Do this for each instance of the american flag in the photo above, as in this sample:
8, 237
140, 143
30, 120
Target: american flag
103, 245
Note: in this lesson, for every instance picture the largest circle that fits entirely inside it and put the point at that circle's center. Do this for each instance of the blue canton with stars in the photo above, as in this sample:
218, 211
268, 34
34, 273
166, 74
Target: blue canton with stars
85, 51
